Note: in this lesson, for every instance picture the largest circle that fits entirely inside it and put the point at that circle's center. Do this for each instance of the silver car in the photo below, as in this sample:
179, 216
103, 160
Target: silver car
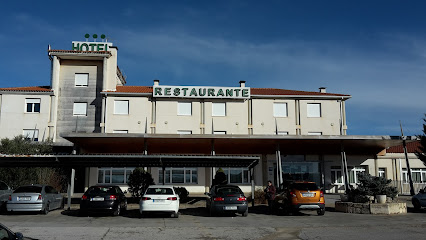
34, 198
5, 191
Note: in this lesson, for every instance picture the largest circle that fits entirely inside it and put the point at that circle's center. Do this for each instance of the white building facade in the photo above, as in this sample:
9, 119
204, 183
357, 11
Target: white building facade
87, 96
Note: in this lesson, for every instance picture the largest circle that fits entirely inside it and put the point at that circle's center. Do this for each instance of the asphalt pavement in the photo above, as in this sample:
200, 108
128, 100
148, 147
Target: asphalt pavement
194, 223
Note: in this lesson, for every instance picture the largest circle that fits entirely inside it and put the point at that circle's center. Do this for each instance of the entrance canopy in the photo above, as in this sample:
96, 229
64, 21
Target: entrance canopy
126, 160
205, 144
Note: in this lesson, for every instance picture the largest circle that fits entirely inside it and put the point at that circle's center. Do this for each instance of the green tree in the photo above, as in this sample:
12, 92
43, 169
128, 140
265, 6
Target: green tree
220, 177
422, 153
17, 176
139, 181
372, 186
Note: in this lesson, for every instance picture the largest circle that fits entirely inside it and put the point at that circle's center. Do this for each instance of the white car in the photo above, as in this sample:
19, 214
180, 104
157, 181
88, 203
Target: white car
419, 200
160, 198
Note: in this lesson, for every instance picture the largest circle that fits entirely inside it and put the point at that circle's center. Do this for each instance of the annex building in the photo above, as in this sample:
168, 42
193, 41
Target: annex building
103, 129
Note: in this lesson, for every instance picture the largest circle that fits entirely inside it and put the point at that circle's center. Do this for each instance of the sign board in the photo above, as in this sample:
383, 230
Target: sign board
90, 46
201, 92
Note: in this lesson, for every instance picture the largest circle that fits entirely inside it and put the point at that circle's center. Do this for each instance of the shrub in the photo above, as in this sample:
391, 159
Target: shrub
259, 196
139, 181
371, 186
182, 192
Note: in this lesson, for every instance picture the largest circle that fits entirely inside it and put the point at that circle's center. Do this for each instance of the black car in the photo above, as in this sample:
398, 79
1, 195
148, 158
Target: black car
7, 234
226, 198
103, 199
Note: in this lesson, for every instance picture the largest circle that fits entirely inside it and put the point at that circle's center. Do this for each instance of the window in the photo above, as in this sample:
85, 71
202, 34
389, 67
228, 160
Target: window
80, 109
184, 132
315, 133
218, 109
114, 175
417, 174
179, 175
219, 132
314, 110
32, 105
184, 108
382, 172
121, 107
353, 173
237, 175
280, 109
31, 134
81, 79
120, 131
282, 133
336, 175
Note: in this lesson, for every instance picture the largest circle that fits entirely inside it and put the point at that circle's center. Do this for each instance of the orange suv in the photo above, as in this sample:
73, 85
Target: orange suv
301, 196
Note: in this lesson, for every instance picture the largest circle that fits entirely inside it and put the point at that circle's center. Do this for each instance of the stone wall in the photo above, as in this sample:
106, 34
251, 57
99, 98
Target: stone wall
371, 208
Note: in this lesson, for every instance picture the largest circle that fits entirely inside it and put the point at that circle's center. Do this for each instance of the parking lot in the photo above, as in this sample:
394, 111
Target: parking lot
194, 223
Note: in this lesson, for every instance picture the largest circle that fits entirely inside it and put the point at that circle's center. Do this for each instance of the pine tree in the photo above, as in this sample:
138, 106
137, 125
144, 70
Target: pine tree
422, 153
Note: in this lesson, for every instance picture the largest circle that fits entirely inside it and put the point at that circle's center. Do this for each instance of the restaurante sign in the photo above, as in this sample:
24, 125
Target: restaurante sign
201, 92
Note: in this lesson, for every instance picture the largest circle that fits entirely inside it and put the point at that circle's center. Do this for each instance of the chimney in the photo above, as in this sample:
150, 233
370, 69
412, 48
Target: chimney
156, 82
323, 90
242, 83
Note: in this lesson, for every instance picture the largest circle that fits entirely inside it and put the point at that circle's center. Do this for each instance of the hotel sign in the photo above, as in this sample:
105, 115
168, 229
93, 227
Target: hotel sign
90, 46
201, 92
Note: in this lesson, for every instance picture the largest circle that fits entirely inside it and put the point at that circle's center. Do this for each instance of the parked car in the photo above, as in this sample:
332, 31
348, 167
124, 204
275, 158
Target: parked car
160, 198
226, 198
108, 198
5, 191
301, 196
7, 234
34, 198
419, 200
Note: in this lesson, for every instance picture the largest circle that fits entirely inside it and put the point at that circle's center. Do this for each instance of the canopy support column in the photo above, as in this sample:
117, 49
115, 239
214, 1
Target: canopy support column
344, 167
279, 168
252, 186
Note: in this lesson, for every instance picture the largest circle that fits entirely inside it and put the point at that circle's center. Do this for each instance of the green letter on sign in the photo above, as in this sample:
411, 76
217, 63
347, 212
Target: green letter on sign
157, 92
193, 92
245, 92
76, 47
229, 93
167, 91
210, 92
220, 93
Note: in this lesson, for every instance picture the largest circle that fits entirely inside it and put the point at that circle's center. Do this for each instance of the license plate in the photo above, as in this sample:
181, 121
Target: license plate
308, 194
97, 199
158, 200
24, 198
230, 207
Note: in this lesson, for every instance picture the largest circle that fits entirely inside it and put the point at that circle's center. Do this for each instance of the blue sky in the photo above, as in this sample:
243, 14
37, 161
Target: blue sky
372, 50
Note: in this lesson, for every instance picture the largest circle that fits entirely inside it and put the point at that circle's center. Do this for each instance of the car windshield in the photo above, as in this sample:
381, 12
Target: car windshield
228, 190
165, 191
28, 189
97, 190
304, 186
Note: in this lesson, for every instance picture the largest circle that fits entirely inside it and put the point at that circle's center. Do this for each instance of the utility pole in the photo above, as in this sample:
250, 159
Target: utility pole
406, 159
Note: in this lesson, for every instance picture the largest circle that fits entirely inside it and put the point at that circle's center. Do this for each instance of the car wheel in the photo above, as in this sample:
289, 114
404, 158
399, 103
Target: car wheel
245, 214
416, 204
211, 212
117, 211
175, 215
46, 210
82, 213
321, 211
